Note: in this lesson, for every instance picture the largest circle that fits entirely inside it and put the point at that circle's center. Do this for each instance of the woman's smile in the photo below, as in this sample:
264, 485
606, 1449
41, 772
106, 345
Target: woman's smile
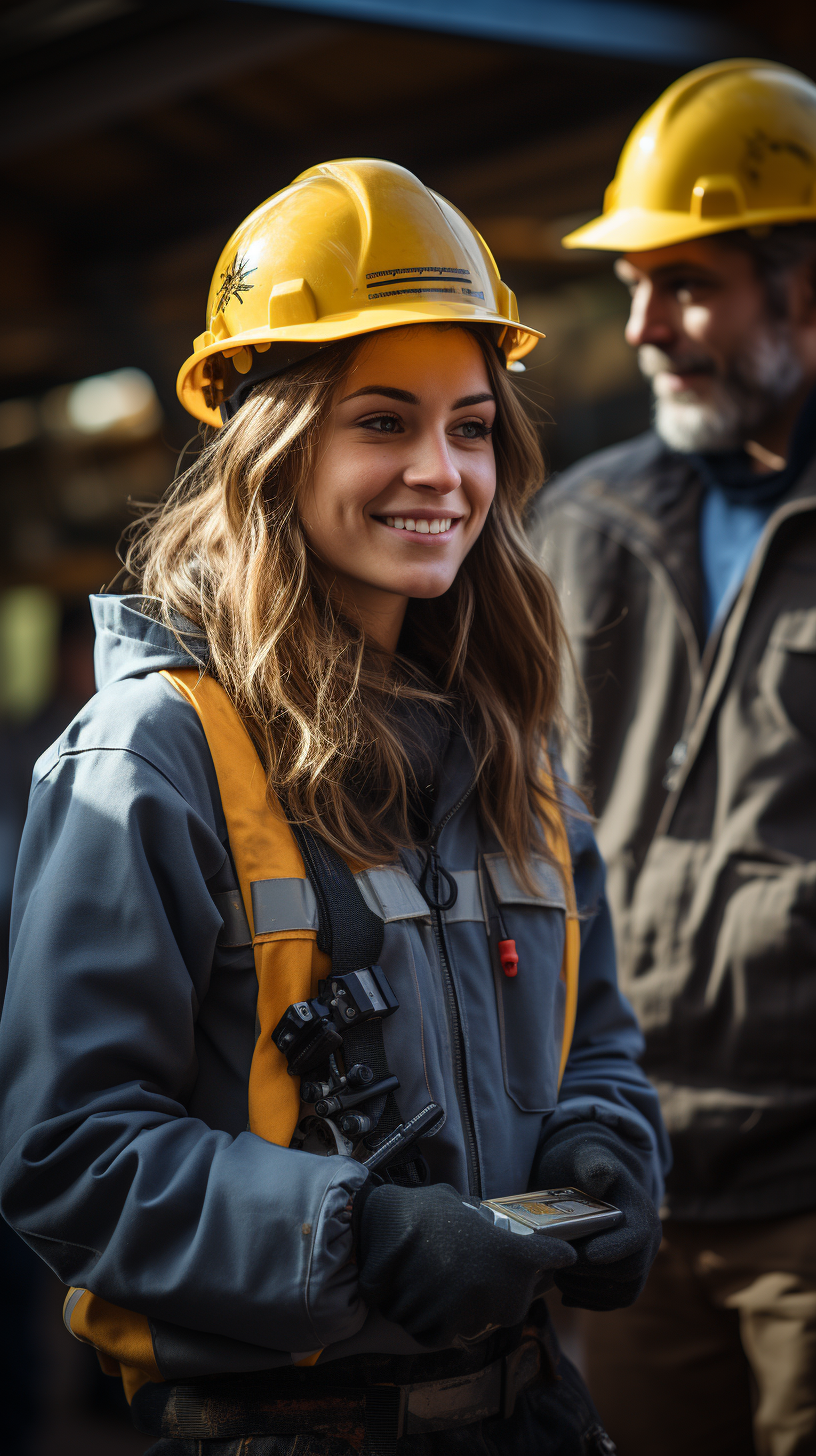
422, 525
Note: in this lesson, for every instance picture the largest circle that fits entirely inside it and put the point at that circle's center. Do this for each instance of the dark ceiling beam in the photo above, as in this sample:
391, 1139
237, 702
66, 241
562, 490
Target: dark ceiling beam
181, 58
602, 27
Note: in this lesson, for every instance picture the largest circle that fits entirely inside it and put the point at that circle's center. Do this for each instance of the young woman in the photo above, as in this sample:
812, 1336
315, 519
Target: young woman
295, 887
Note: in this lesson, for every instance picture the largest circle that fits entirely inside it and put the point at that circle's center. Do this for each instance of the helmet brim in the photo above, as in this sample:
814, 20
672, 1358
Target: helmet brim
344, 326
639, 230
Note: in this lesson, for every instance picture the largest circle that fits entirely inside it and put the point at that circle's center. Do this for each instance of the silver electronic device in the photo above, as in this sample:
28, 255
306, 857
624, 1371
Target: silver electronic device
563, 1213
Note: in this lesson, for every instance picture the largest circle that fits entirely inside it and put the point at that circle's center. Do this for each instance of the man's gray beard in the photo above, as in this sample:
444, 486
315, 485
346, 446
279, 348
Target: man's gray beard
737, 405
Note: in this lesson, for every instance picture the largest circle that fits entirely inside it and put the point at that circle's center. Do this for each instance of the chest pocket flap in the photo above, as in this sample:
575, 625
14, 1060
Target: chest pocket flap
508, 891
391, 894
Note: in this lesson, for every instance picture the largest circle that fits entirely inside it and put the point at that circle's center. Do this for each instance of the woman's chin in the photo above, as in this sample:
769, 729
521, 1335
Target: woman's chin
426, 587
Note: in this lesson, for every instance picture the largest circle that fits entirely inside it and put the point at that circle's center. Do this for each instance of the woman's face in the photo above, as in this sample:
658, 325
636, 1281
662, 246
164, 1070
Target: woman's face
406, 472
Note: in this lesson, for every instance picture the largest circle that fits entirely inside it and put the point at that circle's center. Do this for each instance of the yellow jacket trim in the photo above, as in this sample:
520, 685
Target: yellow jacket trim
122, 1339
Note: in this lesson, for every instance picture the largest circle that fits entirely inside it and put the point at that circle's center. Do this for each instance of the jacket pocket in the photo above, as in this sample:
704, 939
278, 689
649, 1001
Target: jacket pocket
787, 671
759, 1011
717, 963
531, 1004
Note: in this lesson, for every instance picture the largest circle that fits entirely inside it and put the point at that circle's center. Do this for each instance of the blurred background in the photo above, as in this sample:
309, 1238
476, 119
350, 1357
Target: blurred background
133, 138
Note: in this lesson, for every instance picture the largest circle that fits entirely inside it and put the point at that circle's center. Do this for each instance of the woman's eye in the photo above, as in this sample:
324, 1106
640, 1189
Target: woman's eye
383, 424
474, 430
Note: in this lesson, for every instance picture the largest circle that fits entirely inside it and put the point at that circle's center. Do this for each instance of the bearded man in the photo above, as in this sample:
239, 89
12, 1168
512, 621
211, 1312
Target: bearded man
686, 561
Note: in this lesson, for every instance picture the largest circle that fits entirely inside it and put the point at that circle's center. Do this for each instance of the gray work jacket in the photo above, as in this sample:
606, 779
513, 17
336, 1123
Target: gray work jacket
702, 765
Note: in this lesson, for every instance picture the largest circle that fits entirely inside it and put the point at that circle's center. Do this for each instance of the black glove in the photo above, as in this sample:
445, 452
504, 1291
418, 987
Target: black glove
612, 1267
439, 1269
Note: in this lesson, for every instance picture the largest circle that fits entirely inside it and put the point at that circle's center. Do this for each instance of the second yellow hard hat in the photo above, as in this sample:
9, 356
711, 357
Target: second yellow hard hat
731, 145
350, 247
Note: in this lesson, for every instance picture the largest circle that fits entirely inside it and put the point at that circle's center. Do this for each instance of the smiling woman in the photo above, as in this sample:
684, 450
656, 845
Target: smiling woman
277, 545
310, 989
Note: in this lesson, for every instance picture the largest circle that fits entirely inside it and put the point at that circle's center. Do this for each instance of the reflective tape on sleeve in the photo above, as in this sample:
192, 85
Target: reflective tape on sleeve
283, 905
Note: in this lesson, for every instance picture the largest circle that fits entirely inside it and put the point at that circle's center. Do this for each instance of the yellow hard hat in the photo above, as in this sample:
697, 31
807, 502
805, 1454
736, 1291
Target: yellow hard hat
731, 145
349, 247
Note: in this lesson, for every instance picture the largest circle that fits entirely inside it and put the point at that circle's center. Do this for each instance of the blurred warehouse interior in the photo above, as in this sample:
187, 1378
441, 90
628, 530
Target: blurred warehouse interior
134, 136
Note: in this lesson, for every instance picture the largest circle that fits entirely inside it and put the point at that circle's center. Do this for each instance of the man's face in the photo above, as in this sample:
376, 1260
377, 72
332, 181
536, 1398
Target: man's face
721, 363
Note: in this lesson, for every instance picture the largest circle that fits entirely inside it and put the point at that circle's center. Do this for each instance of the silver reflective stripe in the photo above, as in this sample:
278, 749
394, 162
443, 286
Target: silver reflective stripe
283, 905
468, 899
508, 891
391, 894
230, 906
70, 1305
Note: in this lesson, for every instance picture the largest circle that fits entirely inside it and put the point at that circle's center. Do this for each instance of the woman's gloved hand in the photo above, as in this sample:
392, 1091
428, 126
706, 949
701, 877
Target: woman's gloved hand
612, 1267
439, 1269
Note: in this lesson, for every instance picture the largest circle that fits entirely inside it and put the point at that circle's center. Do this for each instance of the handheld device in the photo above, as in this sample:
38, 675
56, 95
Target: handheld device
563, 1213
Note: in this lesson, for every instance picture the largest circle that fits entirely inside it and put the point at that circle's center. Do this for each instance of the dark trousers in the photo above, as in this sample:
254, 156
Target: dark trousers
718, 1356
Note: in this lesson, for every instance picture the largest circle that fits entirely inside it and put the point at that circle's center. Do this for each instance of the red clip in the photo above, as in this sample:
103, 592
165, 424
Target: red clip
508, 955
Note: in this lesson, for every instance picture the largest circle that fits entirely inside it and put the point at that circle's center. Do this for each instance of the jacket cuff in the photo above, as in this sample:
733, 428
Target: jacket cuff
335, 1308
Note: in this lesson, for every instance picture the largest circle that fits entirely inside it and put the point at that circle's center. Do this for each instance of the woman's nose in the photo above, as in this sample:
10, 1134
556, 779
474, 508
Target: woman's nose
432, 466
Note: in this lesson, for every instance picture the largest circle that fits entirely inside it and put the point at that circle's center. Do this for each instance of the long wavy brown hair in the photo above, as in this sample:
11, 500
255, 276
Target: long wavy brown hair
226, 550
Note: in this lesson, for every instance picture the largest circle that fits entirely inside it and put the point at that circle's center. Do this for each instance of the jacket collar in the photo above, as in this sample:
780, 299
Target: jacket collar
654, 511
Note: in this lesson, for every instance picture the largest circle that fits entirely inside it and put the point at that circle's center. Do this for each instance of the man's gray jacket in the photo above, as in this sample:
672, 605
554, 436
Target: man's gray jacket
701, 764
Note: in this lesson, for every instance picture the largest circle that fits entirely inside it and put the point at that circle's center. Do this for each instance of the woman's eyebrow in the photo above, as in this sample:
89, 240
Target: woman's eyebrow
469, 399
401, 394
405, 396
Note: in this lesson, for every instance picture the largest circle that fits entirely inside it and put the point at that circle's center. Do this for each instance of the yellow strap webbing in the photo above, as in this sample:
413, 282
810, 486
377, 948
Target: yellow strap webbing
287, 963
556, 835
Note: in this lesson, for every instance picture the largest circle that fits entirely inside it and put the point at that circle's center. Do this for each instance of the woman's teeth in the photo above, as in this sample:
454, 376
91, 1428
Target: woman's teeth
423, 528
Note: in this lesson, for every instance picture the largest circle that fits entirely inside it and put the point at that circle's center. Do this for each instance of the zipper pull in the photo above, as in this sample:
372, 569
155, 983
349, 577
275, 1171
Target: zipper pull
434, 870
508, 955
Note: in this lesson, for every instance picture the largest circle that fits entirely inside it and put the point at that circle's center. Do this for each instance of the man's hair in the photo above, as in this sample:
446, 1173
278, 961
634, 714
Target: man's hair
774, 251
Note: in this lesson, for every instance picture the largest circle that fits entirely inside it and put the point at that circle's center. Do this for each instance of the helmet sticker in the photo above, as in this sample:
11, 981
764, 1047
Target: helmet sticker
436, 271
232, 283
761, 148
428, 275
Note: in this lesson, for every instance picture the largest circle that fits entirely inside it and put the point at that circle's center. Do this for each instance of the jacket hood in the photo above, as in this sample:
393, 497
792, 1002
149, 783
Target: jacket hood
130, 642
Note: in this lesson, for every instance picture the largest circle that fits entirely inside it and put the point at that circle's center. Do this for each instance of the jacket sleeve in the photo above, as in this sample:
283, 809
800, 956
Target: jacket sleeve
104, 1173
603, 1083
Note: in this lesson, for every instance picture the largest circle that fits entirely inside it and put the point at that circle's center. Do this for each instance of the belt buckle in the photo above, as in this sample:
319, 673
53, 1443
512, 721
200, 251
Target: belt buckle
393, 1411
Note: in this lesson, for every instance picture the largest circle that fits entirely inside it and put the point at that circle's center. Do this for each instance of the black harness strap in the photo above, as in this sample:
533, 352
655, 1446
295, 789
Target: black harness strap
352, 935
348, 932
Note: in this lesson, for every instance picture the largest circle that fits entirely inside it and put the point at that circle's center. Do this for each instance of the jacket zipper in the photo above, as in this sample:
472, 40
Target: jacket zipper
454, 1014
